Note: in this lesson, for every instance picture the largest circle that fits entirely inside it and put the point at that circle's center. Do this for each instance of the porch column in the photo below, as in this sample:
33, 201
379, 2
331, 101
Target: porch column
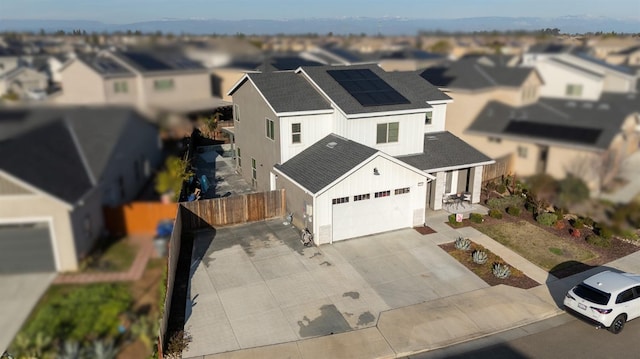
438, 190
475, 181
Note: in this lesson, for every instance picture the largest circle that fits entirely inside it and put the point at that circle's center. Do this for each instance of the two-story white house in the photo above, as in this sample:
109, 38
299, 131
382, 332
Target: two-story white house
358, 150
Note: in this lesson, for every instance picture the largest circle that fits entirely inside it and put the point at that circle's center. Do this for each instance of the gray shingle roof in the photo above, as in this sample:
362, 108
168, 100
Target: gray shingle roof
471, 74
48, 159
576, 66
405, 83
289, 92
443, 150
319, 165
90, 132
566, 122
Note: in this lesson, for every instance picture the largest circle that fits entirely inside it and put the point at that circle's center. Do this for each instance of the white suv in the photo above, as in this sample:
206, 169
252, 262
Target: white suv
608, 298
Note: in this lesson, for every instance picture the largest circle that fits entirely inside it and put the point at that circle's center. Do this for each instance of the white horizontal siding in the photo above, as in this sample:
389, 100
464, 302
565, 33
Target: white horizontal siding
438, 120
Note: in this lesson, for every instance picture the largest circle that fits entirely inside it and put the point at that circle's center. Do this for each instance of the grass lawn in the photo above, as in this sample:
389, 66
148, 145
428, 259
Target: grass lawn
535, 244
113, 255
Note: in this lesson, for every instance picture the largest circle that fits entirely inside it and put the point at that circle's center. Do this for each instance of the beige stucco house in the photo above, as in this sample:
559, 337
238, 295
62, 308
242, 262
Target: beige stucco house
58, 167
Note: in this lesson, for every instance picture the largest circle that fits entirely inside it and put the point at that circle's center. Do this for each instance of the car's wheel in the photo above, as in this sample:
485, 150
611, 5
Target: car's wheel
618, 324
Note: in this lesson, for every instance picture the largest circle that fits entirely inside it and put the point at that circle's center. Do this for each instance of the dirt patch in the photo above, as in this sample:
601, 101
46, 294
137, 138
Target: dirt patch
424, 230
484, 271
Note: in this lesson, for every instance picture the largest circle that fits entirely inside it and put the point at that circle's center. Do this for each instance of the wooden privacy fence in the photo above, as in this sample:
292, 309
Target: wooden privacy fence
138, 217
502, 167
232, 210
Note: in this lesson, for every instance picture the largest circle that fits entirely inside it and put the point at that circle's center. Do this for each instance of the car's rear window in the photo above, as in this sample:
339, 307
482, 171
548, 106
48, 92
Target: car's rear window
591, 294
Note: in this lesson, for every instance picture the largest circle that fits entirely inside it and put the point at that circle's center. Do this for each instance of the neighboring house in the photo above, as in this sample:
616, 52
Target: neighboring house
560, 137
580, 76
474, 81
151, 82
25, 82
9, 60
628, 57
408, 60
332, 54
58, 167
358, 150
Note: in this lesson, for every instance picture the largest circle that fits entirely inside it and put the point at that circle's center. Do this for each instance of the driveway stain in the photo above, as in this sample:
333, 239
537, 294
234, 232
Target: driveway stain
329, 322
325, 263
316, 254
365, 318
352, 295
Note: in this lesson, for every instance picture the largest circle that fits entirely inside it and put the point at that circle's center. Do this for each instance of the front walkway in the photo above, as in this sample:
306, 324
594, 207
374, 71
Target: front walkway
145, 250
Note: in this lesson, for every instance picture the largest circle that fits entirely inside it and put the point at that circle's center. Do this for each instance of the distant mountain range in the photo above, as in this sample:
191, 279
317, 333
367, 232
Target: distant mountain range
357, 25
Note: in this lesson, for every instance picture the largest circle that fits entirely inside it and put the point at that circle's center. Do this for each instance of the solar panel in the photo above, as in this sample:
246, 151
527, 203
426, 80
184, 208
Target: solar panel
555, 132
367, 88
146, 62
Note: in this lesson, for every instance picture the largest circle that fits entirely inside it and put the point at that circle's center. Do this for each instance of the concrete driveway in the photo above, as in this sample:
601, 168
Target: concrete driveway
18, 296
255, 285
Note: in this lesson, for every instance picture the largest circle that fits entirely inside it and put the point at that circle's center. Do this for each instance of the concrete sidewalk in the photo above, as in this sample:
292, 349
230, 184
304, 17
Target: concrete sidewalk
447, 320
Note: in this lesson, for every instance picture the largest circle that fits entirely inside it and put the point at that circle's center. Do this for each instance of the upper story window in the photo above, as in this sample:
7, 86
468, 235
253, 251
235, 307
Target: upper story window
494, 139
163, 85
270, 128
120, 87
428, 118
574, 90
295, 133
236, 112
528, 93
387, 132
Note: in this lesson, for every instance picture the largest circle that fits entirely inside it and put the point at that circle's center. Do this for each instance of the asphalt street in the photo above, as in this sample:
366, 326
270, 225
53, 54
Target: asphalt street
564, 336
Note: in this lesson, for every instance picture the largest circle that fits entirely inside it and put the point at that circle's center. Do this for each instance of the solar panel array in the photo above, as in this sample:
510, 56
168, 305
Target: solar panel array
146, 61
108, 66
556, 132
367, 87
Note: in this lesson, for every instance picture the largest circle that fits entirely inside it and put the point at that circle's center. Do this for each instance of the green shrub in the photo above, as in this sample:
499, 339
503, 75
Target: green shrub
505, 202
572, 190
547, 219
452, 221
588, 221
495, 213
560, 212
514, 211
542, 184
629, 234
501, 188
598, 241
604, 231
475, 217
577, 223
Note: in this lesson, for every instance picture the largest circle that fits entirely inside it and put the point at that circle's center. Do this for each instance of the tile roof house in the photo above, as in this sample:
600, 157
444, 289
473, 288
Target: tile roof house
358, 150
58, 167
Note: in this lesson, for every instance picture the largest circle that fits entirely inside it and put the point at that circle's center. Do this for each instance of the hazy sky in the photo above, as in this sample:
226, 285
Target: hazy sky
125, 11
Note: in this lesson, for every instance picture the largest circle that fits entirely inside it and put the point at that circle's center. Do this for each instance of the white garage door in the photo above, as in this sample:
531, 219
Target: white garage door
374, 215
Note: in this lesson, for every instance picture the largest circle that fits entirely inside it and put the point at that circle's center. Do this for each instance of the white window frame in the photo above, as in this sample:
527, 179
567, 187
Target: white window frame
270, 129
387, 131
295, 133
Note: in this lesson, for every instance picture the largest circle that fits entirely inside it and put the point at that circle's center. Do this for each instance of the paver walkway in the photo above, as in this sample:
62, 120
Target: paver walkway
145, 250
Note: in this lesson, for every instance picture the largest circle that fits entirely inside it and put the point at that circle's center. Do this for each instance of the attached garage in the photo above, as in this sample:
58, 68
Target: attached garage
371, 214
26, 248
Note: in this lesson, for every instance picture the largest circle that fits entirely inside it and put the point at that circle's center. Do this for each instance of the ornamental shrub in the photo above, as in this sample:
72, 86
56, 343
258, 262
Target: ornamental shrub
495, 213
514, 211
598, 241
547, 219
475, 217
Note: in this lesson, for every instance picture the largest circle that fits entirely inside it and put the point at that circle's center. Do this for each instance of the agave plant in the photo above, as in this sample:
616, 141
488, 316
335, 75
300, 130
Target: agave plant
462, 243
501, 270
480, 257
